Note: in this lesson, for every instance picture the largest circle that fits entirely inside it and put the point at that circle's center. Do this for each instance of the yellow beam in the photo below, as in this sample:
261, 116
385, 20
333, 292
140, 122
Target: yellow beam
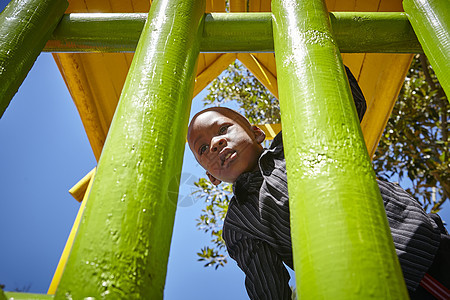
271, 130
76, 78
78, 191
384, 94
212, 71
69, 243
260, 71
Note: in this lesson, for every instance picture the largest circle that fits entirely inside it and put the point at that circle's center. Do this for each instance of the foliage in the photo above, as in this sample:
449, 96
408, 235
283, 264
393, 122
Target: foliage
211, 220
415, 142
237, 84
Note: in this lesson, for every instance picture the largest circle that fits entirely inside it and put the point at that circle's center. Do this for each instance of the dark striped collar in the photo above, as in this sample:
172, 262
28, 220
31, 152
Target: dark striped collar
250, 182
277, 141
246, 184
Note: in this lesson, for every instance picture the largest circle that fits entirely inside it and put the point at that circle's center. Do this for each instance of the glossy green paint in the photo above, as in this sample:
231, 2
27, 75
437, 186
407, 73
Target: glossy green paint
431, 22
341, 240
355, 32
374, 32
97, 32
26, 296
25, 26
121, 248
237, 32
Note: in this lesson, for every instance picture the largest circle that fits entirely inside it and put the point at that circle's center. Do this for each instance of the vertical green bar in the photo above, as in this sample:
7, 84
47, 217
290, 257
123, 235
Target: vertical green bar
122, 246
341, 240
430, 20
25, 27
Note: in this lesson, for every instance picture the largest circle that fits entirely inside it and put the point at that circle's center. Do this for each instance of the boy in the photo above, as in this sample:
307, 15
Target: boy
256, 229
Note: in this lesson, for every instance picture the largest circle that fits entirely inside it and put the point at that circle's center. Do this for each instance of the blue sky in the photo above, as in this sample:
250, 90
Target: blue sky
44, 152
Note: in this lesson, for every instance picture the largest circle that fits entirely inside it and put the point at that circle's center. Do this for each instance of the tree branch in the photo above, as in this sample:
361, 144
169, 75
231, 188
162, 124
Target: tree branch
444, 124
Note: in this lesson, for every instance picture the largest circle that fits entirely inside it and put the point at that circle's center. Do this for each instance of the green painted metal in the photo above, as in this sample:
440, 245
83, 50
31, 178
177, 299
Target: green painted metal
97, 32
341, 240
25, 26
241, 32
26, 296
121, 248
379, 32
355, 32
431, 22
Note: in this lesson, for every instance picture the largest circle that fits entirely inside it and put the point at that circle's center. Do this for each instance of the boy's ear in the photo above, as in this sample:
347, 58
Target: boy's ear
259, 134
213, 179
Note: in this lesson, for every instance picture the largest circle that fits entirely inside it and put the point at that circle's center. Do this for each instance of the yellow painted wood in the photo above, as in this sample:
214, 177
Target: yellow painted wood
205, 59
62, 261
78, 191
267, 59
238, 6
354, 61
266, 5
215, 6
77, 81
212, 71
388, 5
110, 70
260, 71
271, 130
95, 81
383, 95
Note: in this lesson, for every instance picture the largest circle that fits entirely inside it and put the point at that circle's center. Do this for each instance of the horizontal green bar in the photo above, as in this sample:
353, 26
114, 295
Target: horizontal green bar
380, 32
26, 296
237, 32
97, 32
355, 32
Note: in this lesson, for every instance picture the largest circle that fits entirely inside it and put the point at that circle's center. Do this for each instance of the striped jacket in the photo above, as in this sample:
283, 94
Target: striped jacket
257, 229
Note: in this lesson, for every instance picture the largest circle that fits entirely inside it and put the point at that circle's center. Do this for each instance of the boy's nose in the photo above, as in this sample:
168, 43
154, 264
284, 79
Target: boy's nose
217, 144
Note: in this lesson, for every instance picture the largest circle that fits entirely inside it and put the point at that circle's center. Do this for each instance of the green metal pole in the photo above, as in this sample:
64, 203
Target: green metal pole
431, 22
374, 32
341, 240
241, 31
122, 246
25, 26
101, 32
355, 32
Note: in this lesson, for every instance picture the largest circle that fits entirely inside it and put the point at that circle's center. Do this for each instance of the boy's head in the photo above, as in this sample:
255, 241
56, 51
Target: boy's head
224, 143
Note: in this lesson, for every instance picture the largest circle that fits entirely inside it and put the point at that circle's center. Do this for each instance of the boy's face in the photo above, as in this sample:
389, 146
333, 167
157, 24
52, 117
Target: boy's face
224, 145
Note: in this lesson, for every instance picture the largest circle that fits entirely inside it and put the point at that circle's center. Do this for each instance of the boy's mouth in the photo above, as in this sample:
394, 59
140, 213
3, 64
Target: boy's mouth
226, 155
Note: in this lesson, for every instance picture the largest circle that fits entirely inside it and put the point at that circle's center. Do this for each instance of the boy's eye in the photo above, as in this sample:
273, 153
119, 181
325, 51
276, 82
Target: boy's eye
202, 149
223, 129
